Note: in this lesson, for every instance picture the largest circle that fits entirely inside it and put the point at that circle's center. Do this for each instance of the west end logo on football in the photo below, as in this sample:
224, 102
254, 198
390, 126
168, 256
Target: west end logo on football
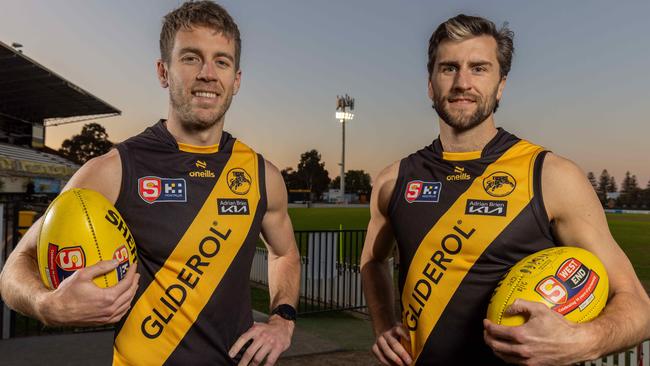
572, 287
156, 189
419, 191
64, 262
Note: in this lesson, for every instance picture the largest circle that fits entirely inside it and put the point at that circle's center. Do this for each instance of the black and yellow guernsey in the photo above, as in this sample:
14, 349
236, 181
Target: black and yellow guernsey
461, 220
195, 213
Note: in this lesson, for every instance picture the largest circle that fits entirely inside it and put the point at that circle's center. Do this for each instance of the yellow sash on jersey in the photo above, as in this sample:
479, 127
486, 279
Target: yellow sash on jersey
197, 265
457, 240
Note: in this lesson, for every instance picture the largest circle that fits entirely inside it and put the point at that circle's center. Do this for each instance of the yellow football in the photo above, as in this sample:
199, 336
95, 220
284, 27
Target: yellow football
571, 281
80, 228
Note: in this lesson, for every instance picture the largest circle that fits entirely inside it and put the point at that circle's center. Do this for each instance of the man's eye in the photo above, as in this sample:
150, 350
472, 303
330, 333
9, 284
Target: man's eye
480, 69
190, 59
448, 68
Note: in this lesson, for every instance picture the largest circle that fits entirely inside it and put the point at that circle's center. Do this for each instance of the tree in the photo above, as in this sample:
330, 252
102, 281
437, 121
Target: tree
611, 186
592, 180
603, 184
92, 142
290, 177
630, 191
356, 181
311, 173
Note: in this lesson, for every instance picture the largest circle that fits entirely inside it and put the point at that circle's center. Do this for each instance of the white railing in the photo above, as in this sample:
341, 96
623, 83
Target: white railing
637, 356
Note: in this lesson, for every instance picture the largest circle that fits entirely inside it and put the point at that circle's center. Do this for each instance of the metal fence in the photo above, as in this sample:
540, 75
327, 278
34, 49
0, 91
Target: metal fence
637, 356
330, 277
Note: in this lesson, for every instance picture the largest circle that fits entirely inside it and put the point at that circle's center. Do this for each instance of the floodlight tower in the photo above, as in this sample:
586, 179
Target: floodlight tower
342, 104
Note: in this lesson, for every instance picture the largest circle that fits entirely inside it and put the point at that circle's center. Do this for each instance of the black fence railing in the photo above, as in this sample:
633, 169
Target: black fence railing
330, 277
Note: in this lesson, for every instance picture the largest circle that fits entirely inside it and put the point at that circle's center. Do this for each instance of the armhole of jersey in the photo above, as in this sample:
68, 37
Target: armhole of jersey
262, 180
392, 204
538, 199
126, 176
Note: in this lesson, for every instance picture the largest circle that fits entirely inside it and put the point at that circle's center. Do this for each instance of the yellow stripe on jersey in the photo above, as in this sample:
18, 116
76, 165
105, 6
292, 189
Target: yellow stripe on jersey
185, 283
456, 241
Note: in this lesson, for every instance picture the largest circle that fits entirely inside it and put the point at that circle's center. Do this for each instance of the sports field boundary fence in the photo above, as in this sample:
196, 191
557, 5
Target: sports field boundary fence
330, 273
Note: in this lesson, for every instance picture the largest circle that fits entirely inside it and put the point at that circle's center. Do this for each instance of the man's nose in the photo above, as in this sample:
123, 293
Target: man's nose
462, 81
208, 72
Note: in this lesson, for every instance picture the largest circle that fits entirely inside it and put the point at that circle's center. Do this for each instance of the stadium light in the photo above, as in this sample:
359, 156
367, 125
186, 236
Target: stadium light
343, 102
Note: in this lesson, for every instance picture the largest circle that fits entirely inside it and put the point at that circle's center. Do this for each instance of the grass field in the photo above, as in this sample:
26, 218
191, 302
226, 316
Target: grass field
631, 231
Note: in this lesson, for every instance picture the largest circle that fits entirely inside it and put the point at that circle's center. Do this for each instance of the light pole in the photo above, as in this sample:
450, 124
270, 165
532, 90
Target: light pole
342, 103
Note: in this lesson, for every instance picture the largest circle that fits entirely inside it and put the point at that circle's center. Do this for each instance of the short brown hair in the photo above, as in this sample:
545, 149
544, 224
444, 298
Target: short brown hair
198, 13
464, 26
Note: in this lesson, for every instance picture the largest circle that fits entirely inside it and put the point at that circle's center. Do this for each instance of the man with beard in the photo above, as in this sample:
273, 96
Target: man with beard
453, 252
196, 200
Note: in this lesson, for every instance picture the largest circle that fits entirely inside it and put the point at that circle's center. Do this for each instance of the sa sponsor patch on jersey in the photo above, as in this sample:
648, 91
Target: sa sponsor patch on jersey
419, 191
156, 189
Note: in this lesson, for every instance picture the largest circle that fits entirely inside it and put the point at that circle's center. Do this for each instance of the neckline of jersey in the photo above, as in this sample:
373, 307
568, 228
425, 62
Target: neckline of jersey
198, 149
469, 155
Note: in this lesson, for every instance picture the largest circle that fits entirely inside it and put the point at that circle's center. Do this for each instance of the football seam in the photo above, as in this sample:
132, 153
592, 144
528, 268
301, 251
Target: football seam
596, 302
510, 293
92, 230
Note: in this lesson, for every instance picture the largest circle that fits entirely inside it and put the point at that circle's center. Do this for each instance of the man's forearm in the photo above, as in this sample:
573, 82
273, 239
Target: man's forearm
284, 279
624, 323
378, 289
21, 286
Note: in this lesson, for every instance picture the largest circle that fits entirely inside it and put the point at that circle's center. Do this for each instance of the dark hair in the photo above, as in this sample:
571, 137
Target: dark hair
464, 26
198, 13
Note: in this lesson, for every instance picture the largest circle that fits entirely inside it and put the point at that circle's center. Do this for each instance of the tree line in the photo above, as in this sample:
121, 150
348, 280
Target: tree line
630, 195
310, 174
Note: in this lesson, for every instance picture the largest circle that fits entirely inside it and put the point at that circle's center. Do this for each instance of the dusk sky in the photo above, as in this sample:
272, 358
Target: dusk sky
579, 83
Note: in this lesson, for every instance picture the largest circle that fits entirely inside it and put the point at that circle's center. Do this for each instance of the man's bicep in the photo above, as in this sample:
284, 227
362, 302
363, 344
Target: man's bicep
579, 220
102, 174
379, 241
276, 224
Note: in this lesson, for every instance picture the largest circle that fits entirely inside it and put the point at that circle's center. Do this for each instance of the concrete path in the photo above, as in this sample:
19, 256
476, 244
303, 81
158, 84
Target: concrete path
95, 348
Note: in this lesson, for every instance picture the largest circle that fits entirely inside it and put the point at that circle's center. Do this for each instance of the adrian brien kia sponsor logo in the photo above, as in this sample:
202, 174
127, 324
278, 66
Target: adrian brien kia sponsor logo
499, 184
239, 181
419, 191
459, 174
205, 173
156, 189
235, 206
486, 208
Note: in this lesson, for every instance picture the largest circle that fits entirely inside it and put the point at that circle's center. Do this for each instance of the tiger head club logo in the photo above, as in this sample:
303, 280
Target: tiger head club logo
239, 181
571, 287
62, 263
499, 184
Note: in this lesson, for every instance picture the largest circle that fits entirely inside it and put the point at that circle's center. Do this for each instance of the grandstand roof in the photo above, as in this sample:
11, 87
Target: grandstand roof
32, 93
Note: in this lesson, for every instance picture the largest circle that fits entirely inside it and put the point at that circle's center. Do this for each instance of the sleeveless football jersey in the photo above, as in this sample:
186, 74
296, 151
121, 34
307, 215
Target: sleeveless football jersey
461, 220
195, 214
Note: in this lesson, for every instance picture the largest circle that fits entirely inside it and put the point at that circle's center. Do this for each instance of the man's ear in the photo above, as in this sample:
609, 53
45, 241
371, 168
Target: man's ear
161, 71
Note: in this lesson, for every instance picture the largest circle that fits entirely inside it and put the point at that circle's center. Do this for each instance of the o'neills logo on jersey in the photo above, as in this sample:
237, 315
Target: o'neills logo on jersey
156, 189
499, 184
205, 173
459, 174
189, 276
434, 272
419, 191
239, 181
